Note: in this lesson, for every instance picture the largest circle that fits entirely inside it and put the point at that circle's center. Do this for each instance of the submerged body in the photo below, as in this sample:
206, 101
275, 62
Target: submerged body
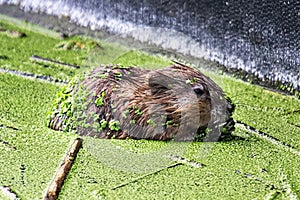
175, 103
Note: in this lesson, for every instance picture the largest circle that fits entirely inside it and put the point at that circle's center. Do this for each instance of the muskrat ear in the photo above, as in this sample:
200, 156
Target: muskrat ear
159, 83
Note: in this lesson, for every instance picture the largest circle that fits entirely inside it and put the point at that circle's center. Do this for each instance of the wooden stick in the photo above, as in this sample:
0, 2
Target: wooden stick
46, 60
145, 175
63, 170
28, 75
183, 160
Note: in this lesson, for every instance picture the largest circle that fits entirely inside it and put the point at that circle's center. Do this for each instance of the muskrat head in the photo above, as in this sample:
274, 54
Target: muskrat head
186, 100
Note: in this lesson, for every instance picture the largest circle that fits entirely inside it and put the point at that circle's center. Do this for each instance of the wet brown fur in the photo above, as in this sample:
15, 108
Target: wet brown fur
177, 102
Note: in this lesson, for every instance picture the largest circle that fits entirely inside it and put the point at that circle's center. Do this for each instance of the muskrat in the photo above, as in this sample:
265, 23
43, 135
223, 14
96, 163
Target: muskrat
174, 103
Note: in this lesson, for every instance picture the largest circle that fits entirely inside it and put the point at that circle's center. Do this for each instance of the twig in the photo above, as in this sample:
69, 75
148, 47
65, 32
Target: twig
258, 179
296, 125
63, 170
267, 137
186, 161
7, 191
7, 144
146, 175
46, 60
49, 79
9, 127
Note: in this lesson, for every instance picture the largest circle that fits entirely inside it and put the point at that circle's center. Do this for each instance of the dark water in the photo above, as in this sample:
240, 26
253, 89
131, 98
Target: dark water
257, 39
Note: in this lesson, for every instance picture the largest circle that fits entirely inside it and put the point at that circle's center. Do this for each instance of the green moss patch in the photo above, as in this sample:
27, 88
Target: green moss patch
267, 111
30, 152
244, 169
24, 101
137, 58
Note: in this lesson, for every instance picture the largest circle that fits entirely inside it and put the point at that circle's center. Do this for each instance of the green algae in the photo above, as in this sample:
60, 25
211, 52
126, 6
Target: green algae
26, 163
239, 169
252, 168
24, 101
99, 100
268, 111
143, 60
29, 169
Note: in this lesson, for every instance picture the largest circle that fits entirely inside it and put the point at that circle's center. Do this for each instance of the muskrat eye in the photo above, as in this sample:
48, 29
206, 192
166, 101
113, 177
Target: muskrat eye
199, 89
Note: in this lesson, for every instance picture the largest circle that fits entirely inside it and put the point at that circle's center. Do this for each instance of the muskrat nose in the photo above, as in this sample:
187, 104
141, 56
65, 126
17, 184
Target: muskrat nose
199, 89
